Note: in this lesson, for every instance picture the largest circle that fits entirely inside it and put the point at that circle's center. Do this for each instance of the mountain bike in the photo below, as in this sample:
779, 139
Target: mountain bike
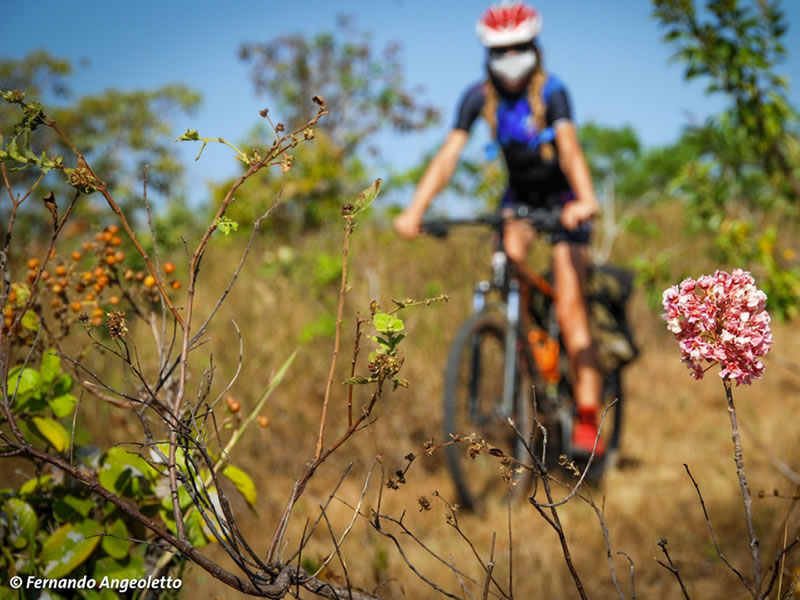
504, 366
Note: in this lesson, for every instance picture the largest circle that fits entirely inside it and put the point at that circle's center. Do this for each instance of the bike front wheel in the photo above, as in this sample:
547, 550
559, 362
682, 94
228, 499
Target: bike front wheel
473, 404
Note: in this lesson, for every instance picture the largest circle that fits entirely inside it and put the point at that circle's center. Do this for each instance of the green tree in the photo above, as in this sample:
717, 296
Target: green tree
119, 132
366, 93
743, 188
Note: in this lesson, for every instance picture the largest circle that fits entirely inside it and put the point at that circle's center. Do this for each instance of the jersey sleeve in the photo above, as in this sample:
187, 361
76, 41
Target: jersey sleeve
557, 101
470, 107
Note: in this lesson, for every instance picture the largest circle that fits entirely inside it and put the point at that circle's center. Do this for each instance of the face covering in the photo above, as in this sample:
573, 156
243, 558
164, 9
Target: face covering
512, 68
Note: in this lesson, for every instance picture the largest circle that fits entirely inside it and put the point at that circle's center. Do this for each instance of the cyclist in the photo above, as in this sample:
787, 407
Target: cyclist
528, 112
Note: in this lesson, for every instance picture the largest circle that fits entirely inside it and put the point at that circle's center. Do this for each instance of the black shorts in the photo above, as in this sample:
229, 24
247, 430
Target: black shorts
579, 235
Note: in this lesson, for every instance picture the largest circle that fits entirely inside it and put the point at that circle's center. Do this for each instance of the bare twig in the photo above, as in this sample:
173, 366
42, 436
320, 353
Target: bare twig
671, 567
348, 228
489, 569
633, 573
713, 535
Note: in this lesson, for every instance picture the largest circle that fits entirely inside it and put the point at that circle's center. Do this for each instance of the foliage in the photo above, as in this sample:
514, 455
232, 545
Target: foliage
80, 513
119, 132
746, 171
366, 90
311, 186
367, 93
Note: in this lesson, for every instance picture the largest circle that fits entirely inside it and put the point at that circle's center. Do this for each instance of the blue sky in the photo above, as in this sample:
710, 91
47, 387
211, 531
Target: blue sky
610, 55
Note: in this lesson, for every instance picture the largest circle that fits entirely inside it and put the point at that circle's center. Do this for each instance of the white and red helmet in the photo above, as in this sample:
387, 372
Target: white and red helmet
508, 24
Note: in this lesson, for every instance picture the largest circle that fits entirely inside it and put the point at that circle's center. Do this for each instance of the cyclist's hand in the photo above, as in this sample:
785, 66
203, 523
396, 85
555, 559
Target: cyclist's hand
407, 224
576, 212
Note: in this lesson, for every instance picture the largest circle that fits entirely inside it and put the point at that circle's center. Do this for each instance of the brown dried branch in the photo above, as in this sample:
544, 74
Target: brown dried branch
671, 567
713, 535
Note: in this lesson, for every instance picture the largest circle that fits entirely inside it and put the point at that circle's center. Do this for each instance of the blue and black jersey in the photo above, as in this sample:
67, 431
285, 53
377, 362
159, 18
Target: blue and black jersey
533, 178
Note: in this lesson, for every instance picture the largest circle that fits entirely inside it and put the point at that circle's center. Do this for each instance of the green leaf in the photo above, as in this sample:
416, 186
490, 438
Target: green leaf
191, 135
194, 524
63, 385
116, 544
19, 519
51, 366
386, 323
243, 483
131, 567
358, 380
34, 485
70, 507
126, 473
365, 197
63, 406
194, 530
68, 547
30, 321
184, 499
53, 432
26, 383
226, 225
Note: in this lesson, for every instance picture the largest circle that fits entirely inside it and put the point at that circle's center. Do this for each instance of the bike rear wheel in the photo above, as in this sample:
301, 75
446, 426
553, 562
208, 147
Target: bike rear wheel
473, 403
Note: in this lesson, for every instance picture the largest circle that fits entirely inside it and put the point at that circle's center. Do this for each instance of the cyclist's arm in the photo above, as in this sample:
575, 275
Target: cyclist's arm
574, 166
438, 173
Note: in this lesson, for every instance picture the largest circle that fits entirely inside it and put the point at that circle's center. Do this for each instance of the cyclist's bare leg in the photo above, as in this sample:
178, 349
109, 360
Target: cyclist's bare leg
518, 237
569, 267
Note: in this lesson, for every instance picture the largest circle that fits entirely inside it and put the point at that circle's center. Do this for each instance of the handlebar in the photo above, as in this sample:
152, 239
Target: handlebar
543, 220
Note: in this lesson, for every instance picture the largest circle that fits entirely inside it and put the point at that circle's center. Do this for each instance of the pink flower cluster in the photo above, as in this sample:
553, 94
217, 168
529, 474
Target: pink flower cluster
720, 319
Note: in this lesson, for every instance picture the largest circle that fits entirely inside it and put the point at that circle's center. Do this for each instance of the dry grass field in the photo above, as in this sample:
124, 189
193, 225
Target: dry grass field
284, 301
671, 420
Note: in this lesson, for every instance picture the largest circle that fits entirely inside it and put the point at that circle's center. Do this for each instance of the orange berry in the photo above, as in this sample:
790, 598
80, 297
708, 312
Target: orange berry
149, 281
96, 321
57, 289
175, 285
55, 302
128, 275
61, 270
31, 276
97, 287
33, 263
52, 254
97, 312
79, 287
139, 276
110, 260
262, 421
119, 256
12, 296
87, 246
45, 275
63, 282
98, 271
233, 404
76, 256
76, 307
113, 229
8, 321
106, 237
169, 268
8, 311
99, 237
109, 250
103, 280
114, 300
116, 241
90, 297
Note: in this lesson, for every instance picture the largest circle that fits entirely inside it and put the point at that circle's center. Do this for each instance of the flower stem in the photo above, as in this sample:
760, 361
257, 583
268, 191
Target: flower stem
748, 501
